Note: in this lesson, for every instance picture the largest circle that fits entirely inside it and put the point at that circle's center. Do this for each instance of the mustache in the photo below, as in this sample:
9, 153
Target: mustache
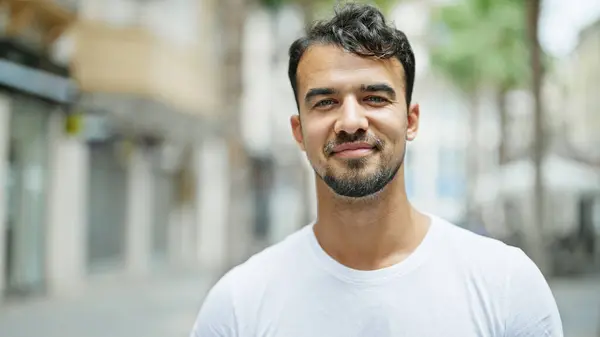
344, 137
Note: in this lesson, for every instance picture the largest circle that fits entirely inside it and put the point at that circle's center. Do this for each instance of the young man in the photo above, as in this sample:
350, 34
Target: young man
371, 264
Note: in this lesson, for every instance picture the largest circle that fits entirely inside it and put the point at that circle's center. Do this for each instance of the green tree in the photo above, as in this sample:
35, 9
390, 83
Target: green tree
484, 45
492, 44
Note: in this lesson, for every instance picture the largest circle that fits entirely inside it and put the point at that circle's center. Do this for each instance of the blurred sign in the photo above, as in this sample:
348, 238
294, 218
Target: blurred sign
73, 124
35, 82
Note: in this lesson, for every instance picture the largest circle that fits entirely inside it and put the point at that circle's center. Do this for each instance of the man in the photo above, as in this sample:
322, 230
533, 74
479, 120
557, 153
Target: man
372, 265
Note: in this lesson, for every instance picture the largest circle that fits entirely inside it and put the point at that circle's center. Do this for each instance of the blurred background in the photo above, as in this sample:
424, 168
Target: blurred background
145, 148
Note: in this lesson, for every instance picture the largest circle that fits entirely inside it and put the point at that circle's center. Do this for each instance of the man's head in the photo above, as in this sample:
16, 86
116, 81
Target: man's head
352, 78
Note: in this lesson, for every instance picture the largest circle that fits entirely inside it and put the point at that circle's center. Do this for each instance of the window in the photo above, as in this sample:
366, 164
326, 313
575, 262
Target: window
451, 178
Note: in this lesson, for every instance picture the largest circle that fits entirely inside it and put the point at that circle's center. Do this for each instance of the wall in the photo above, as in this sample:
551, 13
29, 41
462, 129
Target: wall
138, 240
67, 209
4, 140
582, 86
213, 187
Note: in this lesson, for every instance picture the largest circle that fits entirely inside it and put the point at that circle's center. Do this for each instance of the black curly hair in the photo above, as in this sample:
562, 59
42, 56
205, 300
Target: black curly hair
362, 30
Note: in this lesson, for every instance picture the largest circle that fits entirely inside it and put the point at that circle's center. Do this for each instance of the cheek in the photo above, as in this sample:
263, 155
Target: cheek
393, 129
315, 136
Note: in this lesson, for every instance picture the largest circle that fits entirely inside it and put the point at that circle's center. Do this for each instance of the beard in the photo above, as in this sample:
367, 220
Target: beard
356, 180
359, 184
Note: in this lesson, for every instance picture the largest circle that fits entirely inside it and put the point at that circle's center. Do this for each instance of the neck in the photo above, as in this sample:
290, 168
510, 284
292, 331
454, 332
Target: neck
369, 233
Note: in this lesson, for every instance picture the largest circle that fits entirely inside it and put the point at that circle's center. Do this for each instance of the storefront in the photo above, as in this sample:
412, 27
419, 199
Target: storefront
107, 206
113, 178
32, 89
26, 192
166, 160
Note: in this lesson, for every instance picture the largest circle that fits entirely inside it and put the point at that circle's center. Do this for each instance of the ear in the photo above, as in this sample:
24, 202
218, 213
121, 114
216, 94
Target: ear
412, 127
297, 130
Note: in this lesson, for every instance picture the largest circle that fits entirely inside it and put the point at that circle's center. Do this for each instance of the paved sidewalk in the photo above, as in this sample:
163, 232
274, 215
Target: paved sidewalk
579, 305
161, 307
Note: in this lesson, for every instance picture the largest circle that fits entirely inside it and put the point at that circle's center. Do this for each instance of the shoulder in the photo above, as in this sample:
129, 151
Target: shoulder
482, 262
484, 255
531, 309
274, 260
239, 292
267, 267
515, 282
474, 249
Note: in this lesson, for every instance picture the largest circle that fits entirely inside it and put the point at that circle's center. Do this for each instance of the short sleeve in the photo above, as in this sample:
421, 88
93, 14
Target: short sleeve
531, 307
217, 315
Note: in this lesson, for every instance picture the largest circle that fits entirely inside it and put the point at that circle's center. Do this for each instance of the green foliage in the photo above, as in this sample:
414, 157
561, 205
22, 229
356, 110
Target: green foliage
384, 5
483, 42
274, 4
326, 6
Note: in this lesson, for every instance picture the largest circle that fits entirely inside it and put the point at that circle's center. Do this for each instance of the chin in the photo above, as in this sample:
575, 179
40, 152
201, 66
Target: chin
356, 172
359, 199
355, 165
360, 184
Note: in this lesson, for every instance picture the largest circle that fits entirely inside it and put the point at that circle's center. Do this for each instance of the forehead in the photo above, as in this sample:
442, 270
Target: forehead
332, 67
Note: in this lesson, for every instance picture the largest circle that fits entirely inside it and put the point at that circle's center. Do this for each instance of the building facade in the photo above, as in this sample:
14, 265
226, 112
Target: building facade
111, 159
35, 94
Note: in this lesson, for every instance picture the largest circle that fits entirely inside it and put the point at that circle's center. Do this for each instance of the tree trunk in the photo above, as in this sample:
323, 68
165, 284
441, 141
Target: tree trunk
239, 234
472, 162
503, 159
534, 234
503, 116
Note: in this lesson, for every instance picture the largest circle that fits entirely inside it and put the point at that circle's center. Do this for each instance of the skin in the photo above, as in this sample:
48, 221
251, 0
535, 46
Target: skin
365, 97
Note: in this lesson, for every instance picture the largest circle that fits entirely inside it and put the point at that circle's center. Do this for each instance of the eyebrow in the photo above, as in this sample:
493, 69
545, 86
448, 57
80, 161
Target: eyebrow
312, 93
379, 87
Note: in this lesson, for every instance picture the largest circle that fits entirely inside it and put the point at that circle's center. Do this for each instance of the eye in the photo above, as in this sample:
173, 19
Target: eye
324, 103
376, 99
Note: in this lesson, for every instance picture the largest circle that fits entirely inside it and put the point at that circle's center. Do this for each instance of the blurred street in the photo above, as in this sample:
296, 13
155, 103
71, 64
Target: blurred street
579, 304
164, 306
167, 305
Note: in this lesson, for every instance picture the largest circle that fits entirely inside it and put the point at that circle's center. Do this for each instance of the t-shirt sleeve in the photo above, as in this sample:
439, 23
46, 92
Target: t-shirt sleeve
217, 317
531, 307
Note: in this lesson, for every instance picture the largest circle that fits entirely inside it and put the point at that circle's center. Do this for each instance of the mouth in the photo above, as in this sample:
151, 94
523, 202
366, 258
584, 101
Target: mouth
353, 150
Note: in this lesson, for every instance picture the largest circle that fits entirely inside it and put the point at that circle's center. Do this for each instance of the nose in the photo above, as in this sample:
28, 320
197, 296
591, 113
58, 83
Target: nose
351, 118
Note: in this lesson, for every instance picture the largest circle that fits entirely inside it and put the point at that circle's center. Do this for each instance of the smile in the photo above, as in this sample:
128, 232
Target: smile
353, 150
354, 153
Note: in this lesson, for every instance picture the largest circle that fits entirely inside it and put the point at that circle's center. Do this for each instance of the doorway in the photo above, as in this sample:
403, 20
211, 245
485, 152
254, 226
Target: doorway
163, 203
107, 208
26, 197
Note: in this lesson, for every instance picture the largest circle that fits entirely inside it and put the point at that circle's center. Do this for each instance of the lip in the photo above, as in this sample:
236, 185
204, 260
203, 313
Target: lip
353, 150
358, 153
352, 147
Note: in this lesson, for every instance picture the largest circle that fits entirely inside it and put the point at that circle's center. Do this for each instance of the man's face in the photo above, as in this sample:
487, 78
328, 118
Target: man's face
353, 122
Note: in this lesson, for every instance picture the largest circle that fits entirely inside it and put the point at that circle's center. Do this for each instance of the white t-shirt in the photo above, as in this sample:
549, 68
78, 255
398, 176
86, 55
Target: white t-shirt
455, 284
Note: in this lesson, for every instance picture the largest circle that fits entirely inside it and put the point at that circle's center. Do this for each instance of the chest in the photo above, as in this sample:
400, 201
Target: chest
430, 309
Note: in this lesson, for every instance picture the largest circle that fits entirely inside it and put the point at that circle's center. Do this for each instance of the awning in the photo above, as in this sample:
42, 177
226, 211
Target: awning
560, 174
39, 83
